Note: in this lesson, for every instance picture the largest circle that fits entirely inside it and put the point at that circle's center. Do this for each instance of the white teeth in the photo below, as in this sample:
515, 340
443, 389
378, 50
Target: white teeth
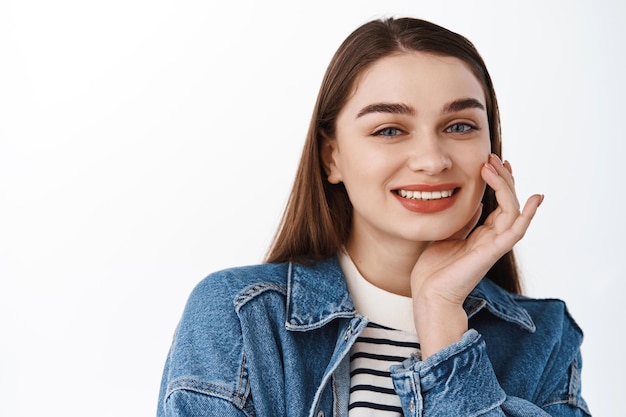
425, 195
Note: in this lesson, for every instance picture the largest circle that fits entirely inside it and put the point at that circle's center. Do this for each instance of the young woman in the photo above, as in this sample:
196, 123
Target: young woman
390, 288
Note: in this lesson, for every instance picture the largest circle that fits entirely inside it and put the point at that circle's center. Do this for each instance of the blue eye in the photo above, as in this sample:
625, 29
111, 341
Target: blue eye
460, 128
388, 132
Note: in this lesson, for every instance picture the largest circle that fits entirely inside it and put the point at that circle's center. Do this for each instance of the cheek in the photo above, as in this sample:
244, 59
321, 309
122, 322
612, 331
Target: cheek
471, 160
476, 156
361, 164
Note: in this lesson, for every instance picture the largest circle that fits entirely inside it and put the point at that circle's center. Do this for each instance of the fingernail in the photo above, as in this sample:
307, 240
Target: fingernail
541, 201
508, 167
491, 168
495, 158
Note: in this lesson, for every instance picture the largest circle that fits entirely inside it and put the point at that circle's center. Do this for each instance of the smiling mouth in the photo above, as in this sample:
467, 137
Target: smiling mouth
425, 195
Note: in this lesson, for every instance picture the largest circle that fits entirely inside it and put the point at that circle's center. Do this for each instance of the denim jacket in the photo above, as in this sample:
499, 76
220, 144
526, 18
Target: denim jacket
272, 340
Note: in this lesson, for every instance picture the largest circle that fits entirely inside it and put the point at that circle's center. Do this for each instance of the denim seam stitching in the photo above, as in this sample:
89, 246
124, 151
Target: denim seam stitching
243, 387
206, 388
253, 291
563, 399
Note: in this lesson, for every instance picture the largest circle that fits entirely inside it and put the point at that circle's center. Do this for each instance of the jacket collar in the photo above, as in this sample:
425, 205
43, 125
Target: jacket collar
318, 293
498, 302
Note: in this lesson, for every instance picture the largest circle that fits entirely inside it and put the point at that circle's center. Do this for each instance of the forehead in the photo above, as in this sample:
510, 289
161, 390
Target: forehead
417, 78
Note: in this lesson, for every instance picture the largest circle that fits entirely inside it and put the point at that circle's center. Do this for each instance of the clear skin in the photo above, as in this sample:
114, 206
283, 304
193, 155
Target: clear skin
416, 120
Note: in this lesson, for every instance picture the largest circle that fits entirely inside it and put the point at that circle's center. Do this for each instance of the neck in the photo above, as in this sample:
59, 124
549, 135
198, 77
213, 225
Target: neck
387, 265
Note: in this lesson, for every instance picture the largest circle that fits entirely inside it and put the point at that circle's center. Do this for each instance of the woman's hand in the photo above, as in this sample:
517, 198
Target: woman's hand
447, 271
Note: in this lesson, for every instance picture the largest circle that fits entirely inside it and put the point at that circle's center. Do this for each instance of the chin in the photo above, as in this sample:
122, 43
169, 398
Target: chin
432, 235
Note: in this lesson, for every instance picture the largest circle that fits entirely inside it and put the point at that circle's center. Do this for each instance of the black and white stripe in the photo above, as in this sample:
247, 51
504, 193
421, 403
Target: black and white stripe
371, 388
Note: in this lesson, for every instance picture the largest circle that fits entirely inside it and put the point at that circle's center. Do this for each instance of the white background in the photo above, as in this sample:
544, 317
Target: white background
144, 144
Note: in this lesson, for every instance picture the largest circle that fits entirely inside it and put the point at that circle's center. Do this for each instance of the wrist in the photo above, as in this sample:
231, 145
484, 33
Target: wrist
438, 324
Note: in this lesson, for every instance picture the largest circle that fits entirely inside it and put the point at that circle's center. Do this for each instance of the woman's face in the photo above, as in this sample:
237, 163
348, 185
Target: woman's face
409, 146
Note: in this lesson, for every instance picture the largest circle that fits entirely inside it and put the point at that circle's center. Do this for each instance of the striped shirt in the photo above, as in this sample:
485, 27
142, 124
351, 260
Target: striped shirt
388, 339
371, 388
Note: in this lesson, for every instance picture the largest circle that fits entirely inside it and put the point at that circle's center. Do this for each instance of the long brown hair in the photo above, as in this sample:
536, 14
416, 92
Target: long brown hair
318, 215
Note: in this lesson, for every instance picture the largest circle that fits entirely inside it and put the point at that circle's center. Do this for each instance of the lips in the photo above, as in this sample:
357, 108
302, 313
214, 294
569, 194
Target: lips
425, 195
427, 198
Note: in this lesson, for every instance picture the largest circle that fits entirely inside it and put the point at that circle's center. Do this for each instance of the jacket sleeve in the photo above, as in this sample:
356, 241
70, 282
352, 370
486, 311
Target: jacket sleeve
189, 403
459, 380
205, 370
193, 397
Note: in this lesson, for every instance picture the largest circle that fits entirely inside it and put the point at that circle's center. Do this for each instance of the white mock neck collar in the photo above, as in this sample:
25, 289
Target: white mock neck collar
379, 306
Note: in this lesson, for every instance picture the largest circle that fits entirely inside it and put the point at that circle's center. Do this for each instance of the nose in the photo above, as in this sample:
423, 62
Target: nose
428, 155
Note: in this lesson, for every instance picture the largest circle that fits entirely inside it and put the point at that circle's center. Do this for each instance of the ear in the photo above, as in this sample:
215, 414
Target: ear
329, 154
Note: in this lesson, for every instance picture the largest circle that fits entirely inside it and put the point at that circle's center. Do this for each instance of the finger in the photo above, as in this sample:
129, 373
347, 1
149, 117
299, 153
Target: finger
508, 167
503, 169
505, 190
506, 239
503, 217
521, 224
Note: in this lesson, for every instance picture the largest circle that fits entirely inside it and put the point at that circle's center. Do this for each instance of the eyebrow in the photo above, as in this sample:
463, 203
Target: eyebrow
405, 109
394, 108
462, 104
